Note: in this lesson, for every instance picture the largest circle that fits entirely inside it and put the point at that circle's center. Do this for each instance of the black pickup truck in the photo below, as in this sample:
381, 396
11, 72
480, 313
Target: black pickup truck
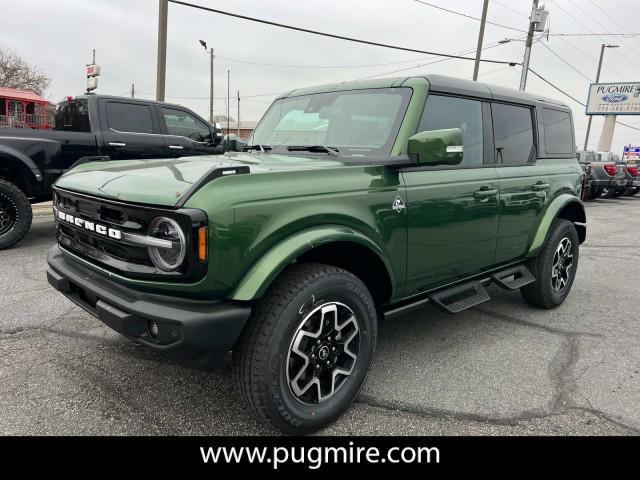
91, 126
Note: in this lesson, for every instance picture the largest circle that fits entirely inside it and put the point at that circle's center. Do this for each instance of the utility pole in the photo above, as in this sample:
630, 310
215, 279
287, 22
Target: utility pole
133, 90
161, 71
93, 61
211, 88
228, 106
238, 119
476, 66
527, 50
602, 47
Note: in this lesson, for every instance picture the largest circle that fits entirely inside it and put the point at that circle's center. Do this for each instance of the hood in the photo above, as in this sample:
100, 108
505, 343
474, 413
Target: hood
165, 181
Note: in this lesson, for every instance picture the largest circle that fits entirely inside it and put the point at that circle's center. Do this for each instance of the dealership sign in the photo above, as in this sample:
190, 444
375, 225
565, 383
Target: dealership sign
614, 99
631, 154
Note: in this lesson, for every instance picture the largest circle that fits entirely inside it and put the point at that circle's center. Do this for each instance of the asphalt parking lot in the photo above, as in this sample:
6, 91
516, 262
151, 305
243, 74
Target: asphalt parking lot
501, 368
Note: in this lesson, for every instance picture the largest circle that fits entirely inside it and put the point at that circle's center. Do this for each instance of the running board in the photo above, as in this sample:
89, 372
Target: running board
513, 278
461, 297
466, 295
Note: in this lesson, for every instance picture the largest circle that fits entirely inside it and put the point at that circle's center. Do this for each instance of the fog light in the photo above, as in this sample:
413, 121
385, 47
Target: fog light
153, 329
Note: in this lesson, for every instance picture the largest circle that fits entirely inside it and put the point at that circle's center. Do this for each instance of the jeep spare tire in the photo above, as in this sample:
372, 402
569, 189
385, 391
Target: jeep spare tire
307, 348
15, 214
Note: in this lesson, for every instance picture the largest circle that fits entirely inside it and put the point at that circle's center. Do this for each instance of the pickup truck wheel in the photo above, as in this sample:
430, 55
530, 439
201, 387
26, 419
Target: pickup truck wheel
595, 193
15, 214
554, 267
307, 348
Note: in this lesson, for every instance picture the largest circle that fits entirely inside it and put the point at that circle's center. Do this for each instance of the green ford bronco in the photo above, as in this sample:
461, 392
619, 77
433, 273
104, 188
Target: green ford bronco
350, 203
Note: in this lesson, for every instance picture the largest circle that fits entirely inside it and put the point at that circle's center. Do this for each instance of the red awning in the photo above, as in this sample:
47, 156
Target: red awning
26, 95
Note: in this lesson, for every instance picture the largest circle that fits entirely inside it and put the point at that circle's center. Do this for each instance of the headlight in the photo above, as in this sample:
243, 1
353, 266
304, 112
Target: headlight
167, 259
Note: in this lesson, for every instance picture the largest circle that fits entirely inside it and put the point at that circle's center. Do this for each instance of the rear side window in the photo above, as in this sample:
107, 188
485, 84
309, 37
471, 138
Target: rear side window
558, 134
443, 112
129, 117
72, 116
513, 134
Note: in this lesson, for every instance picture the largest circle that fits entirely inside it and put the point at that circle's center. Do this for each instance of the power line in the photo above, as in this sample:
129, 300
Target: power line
331, 35
567, 63
509, 8
460, 14
610, 17
250, 62
435, 61
552, 85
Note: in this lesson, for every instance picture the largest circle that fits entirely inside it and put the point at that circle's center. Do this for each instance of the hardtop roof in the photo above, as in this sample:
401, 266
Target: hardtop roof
437, 83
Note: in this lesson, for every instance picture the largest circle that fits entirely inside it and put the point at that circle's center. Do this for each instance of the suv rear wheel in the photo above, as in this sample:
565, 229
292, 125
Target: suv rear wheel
307, 348
15, 214
554, 267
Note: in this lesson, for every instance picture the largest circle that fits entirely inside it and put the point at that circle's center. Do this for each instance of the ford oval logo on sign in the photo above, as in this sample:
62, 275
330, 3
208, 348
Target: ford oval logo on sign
614, 97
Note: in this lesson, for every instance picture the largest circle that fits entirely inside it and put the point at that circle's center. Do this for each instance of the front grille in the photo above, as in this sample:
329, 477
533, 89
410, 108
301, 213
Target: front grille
118, 254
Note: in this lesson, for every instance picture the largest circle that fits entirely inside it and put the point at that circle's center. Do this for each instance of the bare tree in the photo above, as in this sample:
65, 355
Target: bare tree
16, 73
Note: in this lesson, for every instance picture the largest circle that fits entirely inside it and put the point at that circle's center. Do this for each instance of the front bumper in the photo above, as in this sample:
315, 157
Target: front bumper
194, 333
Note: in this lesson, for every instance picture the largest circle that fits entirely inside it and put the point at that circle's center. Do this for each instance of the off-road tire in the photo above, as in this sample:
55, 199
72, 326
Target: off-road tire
541, 293
595, 193
15, 213
261, 355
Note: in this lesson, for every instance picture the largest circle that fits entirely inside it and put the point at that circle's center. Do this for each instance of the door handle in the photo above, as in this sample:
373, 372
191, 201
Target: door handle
176, 147
117, 144
540, 186
484, 193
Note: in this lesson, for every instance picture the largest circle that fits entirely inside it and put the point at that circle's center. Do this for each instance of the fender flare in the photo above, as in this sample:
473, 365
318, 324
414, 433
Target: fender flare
556, 206
258, 278
21, 161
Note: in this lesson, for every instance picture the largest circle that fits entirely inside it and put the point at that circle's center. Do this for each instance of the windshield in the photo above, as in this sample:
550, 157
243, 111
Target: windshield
356, 123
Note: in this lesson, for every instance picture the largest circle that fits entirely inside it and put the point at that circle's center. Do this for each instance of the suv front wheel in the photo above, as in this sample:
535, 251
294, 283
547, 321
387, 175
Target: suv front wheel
307, 348
554, 267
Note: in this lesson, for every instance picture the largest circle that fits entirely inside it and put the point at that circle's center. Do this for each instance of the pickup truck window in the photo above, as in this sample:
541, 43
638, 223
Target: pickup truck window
184, 125
356, 122
558, 134
450, 112
513, 133
129, 117
72, 116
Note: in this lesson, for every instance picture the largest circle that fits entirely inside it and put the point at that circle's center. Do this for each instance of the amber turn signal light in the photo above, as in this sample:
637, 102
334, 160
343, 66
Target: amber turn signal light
203, 234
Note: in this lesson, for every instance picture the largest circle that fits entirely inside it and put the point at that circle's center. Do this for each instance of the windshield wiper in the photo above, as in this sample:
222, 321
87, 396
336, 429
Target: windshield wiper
259, 146
314, 148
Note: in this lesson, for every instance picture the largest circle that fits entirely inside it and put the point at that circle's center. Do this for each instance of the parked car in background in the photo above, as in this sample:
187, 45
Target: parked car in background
584, 159
98, 126
633, 180
608, 177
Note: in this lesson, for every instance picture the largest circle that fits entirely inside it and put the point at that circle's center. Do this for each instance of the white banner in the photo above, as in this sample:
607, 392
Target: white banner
614, 99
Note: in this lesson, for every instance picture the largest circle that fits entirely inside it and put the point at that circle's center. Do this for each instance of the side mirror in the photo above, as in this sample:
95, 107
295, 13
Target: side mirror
232, 143
437, 147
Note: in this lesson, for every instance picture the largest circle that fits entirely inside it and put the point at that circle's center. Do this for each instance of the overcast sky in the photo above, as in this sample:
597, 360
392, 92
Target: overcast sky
58, 36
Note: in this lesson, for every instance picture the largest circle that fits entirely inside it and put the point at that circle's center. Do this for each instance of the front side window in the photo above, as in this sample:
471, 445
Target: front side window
356, 122
182, 124
558, 133
513, 133
129, 117
443, 112
72, 116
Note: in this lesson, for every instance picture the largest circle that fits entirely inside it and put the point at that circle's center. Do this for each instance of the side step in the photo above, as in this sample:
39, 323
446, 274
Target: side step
513, 278
460, 297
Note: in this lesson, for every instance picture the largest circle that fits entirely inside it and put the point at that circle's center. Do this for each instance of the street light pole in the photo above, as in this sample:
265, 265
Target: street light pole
476, 66
602, 47
527, 50
162, 50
